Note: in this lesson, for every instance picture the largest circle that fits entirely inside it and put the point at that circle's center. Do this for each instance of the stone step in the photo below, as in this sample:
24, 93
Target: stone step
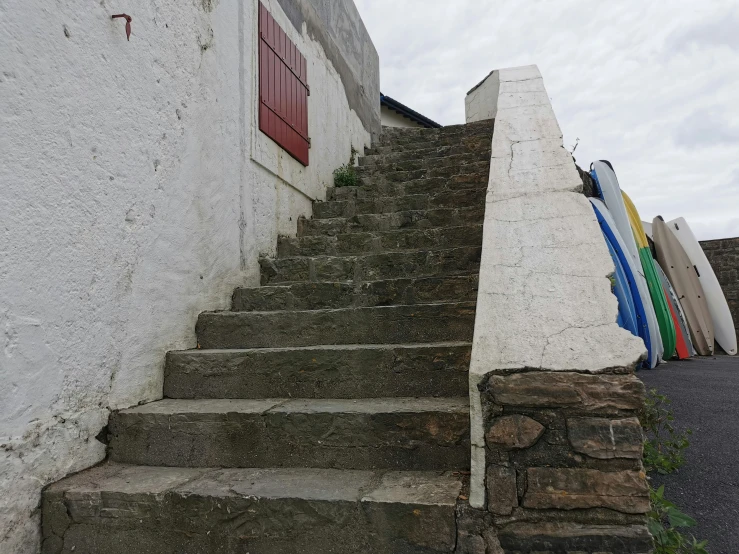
478, 144
371, 267
393, 162
375, 325
411, 219
377, 177
344, 371
435, 185
122, 509
375, 433
445, 135
334, 295
352, 206
471, 142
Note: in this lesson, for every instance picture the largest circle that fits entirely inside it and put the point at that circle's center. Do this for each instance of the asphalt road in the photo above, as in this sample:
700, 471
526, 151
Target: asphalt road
705, 398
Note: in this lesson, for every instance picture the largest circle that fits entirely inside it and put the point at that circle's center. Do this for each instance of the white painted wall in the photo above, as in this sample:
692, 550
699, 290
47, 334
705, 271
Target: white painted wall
390, 118
135, 192
544, 297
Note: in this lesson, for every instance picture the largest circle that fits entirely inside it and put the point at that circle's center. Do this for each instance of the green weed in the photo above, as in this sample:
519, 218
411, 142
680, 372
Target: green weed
664, 448
665, 523
664, 452
346, 175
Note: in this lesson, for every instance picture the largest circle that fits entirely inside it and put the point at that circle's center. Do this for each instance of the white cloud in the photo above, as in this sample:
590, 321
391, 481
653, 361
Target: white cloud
650, 86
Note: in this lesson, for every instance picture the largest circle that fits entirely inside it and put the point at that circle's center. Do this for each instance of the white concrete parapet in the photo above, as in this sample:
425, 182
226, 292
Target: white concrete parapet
544, 299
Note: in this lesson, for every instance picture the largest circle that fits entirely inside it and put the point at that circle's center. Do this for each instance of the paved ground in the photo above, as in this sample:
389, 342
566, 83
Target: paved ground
705, 398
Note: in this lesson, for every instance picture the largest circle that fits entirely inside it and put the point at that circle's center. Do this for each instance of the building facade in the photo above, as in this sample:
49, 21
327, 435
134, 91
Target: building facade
136, 190
396, 114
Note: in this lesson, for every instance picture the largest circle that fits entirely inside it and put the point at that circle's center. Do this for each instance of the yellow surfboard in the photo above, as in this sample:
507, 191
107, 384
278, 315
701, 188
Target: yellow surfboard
656, 291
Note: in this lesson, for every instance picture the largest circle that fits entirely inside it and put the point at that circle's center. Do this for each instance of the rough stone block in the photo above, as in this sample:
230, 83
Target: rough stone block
574, 391
501, 489
606, 438
574, 538
514, 432
569, 489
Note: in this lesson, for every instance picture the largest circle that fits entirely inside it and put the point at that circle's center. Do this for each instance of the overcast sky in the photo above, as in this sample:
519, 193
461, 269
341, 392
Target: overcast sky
651, 86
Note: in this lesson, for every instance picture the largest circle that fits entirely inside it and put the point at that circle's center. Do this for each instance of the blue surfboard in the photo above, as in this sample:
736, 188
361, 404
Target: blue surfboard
621, 288
617, 217
614, 238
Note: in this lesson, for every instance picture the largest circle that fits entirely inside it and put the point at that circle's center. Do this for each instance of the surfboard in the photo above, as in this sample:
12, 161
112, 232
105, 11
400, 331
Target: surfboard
622, 290
647, 229
627, 263
656, 291
718, 307
681, 325
681, 348
684, 279
610, 192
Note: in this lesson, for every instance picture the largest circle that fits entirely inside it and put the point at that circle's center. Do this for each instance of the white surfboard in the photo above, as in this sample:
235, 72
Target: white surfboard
614, 201
648, 229
718, 307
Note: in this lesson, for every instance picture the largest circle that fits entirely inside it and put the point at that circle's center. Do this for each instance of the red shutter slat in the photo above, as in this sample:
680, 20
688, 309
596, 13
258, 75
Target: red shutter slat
283, 89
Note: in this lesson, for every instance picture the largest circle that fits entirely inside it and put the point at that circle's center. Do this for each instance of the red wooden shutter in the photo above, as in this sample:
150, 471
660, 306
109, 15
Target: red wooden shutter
283, 89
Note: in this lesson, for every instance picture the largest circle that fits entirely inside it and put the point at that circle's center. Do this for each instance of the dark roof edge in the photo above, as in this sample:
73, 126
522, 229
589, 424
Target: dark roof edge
405, 111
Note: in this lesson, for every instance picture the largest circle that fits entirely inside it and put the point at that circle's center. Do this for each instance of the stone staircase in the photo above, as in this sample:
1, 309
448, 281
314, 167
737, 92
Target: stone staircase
328, 411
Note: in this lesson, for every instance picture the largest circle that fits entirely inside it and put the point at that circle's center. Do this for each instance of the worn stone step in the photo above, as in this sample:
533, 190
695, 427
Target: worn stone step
377, 177
123, 509
435, 185
387, 163
352, 206
450, 134
420, 186
469, 142
371, 267
375, 433
347, 193
476, 145
344, 371
337, 294
410, 219
362, 243
451, 321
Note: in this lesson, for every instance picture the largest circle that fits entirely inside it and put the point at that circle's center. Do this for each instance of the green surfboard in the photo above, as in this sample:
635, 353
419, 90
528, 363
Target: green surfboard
656, 291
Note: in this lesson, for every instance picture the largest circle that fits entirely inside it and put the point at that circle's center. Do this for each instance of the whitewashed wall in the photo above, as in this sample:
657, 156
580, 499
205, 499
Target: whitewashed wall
134, 193
394, 119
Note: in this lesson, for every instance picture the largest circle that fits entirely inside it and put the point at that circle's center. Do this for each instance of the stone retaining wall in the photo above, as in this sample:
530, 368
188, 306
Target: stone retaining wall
564, 461
724, 257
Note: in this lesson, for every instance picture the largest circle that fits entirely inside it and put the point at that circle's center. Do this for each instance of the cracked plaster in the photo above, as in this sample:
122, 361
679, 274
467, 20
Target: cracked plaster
544, 297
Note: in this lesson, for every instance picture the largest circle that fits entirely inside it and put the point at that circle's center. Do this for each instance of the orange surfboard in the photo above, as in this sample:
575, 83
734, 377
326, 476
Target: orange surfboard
681, 347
